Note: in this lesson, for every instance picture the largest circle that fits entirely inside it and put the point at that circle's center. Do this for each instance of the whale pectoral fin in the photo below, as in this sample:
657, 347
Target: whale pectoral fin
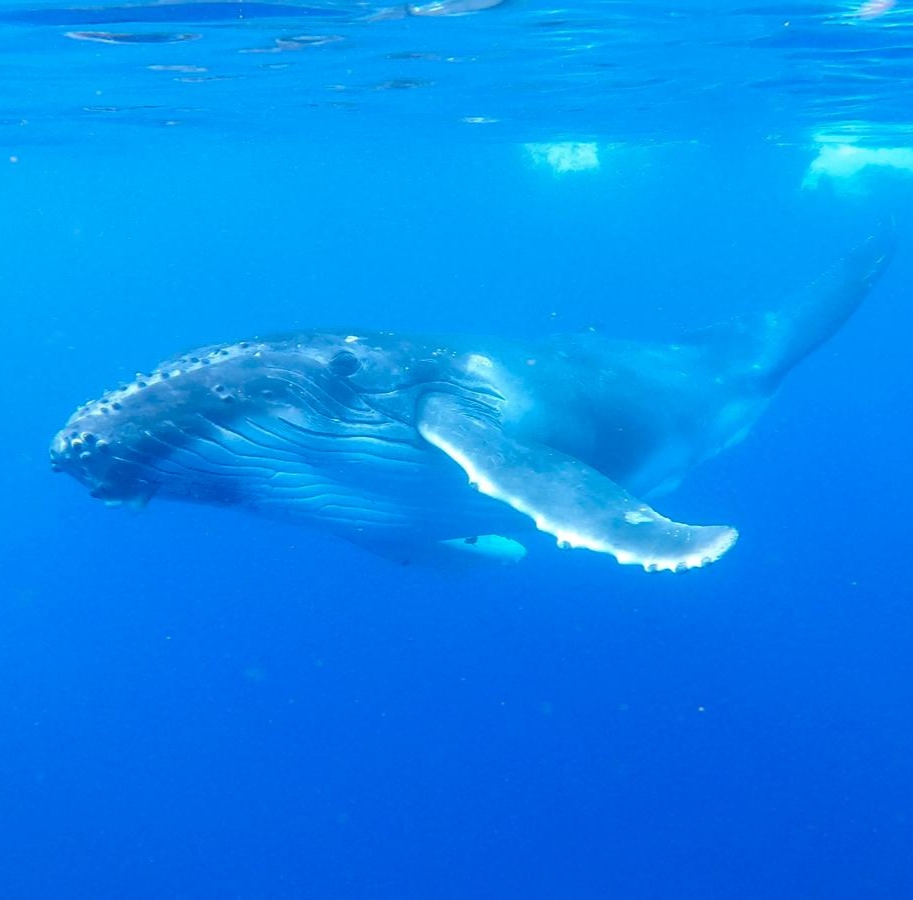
563, 496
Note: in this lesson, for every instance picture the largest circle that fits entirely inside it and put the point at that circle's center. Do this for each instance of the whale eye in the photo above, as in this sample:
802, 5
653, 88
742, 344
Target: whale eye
344, 364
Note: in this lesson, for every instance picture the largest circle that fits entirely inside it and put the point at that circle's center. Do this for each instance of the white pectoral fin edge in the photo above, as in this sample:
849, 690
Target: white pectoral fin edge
564, 497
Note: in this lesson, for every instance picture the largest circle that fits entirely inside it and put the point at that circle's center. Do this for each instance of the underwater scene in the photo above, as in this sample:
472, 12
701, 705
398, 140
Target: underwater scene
457, 450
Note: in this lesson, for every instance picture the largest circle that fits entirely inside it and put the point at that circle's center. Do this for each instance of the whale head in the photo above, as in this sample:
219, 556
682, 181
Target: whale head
218, 424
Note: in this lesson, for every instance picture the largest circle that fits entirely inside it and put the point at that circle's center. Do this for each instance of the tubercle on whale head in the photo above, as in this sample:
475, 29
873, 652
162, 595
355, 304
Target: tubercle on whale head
100, 466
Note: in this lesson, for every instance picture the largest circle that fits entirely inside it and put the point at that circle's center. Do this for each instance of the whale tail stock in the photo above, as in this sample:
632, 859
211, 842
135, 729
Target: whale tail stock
811, 316
765, 346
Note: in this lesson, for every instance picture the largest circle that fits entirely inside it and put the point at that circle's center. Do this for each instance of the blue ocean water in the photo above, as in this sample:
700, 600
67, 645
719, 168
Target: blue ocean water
199, 704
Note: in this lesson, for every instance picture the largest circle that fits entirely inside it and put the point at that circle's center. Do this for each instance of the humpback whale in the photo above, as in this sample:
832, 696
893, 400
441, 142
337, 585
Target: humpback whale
406, 444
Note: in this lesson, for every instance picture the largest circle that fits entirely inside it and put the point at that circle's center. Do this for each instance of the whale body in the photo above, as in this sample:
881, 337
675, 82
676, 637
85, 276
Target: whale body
405, 444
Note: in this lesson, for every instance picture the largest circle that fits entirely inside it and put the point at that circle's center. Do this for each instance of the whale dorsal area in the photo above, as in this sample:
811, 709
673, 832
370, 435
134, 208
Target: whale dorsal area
566, 498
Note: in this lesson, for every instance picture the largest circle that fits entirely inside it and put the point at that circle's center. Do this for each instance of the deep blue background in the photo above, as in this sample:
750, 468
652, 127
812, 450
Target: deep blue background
198, 704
